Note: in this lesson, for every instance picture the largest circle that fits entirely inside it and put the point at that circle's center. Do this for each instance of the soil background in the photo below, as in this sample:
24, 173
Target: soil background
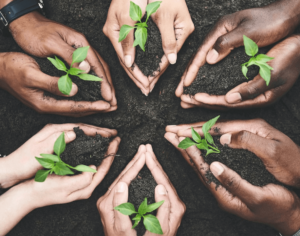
140, 120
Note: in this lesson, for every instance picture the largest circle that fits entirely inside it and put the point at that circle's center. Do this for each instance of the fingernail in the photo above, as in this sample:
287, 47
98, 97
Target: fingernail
128, 61
212, 56
161, 190
171, 125
71, 135
74, 90
144, 93
121, 187
216, 169
85, 66
172, 57
234, 98
225, 139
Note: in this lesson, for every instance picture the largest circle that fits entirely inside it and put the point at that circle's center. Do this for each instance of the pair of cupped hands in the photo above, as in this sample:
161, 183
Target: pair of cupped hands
25, 195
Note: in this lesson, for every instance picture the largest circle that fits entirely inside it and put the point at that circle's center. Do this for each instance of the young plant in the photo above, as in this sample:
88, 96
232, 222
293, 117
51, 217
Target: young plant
260, 60
53, 163
141, 32
151, 223
203, 144
65, 82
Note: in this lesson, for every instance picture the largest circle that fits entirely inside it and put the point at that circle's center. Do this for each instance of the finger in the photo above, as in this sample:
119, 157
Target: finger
189, 101
180, 88
163, 212
127, 45
64, 51
78, 182
122, 222
153, 78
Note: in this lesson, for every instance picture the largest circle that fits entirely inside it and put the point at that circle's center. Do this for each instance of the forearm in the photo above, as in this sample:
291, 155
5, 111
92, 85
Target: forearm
14, 205
7, 173
3, 3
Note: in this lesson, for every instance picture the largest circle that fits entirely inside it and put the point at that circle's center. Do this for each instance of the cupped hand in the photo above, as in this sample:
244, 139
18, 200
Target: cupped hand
280, 155
42, 37
256, 93
22, 165
22, 77
169, 214
272, 204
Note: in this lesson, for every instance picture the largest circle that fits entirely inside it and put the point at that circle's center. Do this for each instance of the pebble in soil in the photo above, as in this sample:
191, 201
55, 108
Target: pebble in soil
210, 78
148, 61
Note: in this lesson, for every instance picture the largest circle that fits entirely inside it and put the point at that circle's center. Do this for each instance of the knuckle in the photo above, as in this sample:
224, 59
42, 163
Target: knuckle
222, 42
243, 137
232, 183
169, 43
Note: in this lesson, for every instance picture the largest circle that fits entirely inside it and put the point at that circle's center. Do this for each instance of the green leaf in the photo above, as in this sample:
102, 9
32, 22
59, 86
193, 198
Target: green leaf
152, 224
263, 58
84, 168
251, 62
209, 138
137, 220
186, 143
135, 12
89, 77
245, 71
124, 31
202, 146
265, 73
46, 163
60, 144
75, 71
258, 63
154, 206
196, 136
136, 42
142, 24
80, 54
65, 84
209, 151
51, 157
152, 8
62, 169
143, 207
58, 64
41, 175
251, 47
141, 35
126, 209
206, 127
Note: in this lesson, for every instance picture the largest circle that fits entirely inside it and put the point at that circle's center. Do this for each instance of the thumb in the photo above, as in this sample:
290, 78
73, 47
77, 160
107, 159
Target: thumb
224, 45
164, 210
128, 49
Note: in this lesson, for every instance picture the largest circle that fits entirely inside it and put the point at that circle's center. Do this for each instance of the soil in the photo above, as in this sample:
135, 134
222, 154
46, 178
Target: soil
140, 120
85, 150
148, 61
143, 186
210, 78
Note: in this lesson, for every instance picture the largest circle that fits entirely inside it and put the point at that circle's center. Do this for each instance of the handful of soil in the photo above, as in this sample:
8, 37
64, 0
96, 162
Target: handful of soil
85, 150
148, 61
244, 162
220, 78
143, 186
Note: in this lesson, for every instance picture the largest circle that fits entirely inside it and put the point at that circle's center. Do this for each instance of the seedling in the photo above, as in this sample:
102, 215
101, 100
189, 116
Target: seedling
65, 82
151, 223
203, 144
53, 163
260, 60
141, 32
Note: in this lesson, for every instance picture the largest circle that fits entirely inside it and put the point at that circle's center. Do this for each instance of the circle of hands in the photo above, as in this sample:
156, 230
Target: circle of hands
272, 204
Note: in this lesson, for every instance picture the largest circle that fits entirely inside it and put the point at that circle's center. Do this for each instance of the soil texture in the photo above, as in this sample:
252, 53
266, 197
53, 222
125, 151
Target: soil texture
148, 61
140, 120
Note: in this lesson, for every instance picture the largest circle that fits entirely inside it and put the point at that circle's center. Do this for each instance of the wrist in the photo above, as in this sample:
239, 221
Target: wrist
291, 225
7, 173
3, 3
31, 19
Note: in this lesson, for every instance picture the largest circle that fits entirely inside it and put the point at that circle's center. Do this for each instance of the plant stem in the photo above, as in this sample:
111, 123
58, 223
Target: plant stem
214, 148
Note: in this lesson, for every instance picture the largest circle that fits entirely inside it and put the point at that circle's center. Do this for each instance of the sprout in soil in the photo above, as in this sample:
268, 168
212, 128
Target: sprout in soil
65, 82
151, 223
260, 60
141, 32
53, 163
203, 144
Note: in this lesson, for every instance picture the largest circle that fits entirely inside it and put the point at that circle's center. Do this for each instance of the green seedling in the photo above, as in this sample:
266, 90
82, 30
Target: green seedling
260, 60
151, 223
53, 163
141, 32
65, 82
203, 144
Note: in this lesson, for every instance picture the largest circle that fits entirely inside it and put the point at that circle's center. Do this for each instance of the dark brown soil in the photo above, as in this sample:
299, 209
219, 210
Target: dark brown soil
85, 150
140, 120
148, 61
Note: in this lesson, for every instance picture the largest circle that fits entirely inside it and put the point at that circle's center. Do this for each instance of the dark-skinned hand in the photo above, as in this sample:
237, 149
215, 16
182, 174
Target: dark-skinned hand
22, 77
266, 25
272, 204
42, 37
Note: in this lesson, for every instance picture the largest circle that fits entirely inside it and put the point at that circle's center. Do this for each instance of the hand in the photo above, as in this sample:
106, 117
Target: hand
272, 205
280, 155
42, 37
22, 165
256, 93
22, 77
20, 200
169, 214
